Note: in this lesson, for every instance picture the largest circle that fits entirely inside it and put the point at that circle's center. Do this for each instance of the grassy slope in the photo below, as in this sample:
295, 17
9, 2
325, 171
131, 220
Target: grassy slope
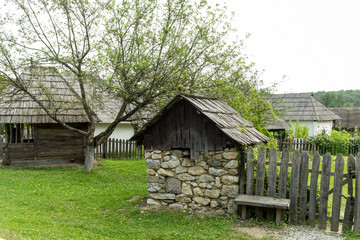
69, 204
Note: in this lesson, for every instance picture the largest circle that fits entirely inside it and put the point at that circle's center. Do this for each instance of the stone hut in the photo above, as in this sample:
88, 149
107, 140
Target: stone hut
192, 151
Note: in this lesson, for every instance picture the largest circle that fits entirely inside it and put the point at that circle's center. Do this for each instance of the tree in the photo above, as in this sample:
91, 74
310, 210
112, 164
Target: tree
137, 51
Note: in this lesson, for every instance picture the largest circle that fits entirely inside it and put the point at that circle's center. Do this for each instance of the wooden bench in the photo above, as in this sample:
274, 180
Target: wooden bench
261, 201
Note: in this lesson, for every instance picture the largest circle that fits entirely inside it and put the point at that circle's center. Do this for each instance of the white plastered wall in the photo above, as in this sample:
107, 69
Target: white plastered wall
327, 126
122, 131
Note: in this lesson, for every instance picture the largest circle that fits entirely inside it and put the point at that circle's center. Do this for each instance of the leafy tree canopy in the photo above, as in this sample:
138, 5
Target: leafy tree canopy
139, 52
339, 99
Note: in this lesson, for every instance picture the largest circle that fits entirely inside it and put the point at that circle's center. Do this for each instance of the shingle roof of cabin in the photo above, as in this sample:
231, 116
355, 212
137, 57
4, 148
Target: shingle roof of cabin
302, 107
224, 117
277, 124
350, 117
18, 107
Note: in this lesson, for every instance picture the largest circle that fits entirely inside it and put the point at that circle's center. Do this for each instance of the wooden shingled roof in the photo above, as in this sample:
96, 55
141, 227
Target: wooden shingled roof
18, 107
44, 83
225, 118
302, 107
350, 117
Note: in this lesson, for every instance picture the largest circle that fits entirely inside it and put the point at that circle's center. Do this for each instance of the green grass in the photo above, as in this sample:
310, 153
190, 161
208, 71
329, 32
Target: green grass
59, 203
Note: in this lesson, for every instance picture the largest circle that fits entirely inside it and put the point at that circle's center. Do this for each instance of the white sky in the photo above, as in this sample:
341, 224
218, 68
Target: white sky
315, 43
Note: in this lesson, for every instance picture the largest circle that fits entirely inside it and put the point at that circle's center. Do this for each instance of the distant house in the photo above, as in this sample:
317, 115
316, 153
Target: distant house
305, 109
350, 118
32, 137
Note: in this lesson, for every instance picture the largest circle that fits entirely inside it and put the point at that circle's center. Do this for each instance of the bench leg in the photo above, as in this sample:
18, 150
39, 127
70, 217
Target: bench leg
278, 216
243, 212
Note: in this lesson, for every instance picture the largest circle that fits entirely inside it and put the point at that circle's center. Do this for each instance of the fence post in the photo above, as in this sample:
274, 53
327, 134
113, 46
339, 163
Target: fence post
272, 180
294, 187
324, 190
283, 173
350, 201
303, 186
357, 195
249, 176
260, 179
335, 213
313, 188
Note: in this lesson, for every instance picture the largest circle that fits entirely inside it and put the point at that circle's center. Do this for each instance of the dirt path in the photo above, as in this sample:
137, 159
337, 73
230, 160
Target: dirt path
285, 232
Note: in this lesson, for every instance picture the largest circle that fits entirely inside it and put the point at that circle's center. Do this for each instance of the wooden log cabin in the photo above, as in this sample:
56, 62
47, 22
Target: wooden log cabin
198, 124
31, 136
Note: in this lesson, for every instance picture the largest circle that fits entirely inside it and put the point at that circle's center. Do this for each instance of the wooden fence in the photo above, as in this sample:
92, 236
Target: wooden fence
310, 198
301, 144
119, 149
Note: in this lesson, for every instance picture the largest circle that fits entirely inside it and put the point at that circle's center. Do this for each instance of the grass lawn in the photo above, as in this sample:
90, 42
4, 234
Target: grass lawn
59, 203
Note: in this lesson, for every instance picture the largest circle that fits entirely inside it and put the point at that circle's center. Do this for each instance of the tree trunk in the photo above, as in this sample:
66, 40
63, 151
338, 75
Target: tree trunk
89, 158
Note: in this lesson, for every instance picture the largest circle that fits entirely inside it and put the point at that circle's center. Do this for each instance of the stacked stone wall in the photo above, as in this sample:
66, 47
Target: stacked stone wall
178, 182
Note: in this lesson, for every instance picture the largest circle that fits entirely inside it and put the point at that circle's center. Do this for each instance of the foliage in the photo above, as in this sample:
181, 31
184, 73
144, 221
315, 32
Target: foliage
297, 131
339, 99
245, 93
137, 52
50, 203
337, 142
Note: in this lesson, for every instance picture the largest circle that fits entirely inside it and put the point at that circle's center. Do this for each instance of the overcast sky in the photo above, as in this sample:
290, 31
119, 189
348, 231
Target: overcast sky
315, 43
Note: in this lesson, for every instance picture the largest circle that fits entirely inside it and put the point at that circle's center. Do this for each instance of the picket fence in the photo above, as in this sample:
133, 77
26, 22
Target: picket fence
302, 144
310, 198
119, 149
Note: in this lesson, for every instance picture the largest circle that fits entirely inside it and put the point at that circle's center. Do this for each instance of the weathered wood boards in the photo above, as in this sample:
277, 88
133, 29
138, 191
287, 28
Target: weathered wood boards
313, 189
51, 144
335, 214
303, 187
307, 203
260, 178
294, 187
324, 190
261, 201
119, 149
357, 196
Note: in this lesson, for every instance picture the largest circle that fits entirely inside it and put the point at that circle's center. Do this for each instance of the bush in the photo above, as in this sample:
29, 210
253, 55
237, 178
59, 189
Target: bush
337, 142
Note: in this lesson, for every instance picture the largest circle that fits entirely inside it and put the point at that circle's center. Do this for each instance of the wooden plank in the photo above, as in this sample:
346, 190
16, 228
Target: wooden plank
313, 189
260, 178
272, 173
357, 196
250, 171
303, 186
324, 190
241, 175
349, 213
283, 173
351, 173
262, 201
112, 146
242, 171
117, 148
335, 214
294, 187
127, 149
249, 174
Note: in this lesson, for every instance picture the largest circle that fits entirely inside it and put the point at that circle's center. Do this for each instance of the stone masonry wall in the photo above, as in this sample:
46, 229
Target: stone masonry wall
178, 182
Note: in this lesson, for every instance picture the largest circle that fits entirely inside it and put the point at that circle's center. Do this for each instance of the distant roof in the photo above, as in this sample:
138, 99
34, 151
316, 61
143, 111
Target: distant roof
277, 124
302, 107
44, 82
350, 117
225, 118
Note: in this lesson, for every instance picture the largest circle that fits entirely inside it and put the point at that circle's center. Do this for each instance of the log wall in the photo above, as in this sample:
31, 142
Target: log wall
52, 144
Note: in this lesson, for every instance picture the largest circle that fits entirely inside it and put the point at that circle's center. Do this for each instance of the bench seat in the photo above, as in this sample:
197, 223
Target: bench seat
261, 201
